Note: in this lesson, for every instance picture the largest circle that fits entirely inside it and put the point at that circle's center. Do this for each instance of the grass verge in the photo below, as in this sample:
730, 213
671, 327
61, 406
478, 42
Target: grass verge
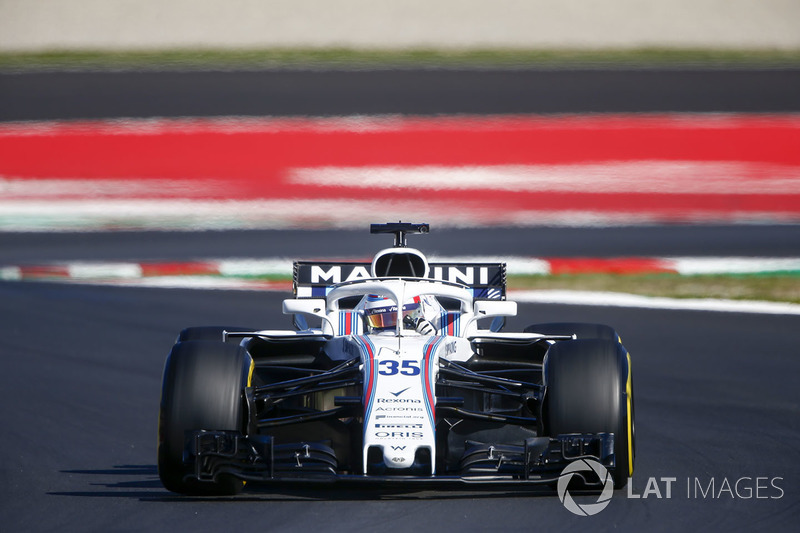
408, 58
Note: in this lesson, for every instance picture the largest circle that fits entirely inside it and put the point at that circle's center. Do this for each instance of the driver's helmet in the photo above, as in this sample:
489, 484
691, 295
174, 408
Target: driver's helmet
380, 314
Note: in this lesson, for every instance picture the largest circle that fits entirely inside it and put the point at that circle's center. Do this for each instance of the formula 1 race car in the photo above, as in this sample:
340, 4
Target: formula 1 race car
395, 381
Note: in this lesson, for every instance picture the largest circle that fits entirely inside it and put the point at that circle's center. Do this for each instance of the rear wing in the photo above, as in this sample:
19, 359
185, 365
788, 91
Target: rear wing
313, 279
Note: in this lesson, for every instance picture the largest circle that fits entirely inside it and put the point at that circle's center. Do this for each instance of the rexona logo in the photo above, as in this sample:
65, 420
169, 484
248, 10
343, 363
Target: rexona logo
585, 465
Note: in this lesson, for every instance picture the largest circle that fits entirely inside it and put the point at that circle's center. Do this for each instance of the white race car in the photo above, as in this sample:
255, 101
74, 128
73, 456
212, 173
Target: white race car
395, 380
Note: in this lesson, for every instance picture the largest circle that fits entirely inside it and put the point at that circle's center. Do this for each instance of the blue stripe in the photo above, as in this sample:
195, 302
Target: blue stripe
371, 373
433, 343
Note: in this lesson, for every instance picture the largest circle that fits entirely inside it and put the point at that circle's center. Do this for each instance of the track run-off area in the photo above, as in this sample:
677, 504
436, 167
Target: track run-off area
275, 274
521, 170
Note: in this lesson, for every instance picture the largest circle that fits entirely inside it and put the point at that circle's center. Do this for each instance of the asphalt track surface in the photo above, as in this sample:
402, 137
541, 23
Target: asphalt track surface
80, 366
627, 241
94, 95
80, 381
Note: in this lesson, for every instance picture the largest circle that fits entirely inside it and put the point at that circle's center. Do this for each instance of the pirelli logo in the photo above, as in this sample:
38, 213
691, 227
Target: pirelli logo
398, 426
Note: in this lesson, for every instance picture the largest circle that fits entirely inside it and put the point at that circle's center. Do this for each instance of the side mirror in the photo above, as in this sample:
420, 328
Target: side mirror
494, 308
303, 307
490, 308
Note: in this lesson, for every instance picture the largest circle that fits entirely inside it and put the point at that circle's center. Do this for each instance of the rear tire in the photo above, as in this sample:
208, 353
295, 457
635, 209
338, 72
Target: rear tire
202, 389
589, 389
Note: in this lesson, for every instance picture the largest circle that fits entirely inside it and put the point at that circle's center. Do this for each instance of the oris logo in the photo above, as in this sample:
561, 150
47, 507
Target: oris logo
399, 434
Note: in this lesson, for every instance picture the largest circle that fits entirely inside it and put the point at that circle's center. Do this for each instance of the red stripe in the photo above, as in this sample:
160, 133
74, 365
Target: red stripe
179, 269
252, 159
44, 272
370, 371
623, 265
428, 391
256, 159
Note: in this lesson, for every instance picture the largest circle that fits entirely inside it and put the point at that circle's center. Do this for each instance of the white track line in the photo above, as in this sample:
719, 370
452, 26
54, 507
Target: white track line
613, 299
647, 177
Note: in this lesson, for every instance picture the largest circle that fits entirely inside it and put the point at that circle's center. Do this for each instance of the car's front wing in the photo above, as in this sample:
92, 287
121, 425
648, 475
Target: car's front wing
537, 460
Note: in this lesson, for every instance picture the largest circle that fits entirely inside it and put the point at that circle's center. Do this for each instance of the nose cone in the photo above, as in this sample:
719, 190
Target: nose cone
399, 456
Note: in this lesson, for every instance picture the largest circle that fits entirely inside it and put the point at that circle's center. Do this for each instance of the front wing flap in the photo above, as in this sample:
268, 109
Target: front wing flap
537, 460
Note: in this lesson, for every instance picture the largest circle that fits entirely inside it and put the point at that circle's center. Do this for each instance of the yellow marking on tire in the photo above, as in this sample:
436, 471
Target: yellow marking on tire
629, 391
249, 384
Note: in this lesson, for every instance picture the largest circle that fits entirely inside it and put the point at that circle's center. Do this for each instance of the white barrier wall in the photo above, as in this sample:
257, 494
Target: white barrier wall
31, 25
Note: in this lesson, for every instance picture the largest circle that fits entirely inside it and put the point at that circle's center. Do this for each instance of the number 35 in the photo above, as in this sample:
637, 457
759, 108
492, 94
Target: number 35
407, 368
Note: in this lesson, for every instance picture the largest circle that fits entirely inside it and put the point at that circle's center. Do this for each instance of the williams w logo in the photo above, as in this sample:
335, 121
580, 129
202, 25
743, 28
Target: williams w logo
585, 465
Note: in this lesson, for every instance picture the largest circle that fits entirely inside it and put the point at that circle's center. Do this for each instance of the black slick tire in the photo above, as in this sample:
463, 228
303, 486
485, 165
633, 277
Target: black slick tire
589, 389
202, 389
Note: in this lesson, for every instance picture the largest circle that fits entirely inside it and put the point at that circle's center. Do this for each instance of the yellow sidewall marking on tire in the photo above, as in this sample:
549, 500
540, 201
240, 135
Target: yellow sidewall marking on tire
629, 390
250, 384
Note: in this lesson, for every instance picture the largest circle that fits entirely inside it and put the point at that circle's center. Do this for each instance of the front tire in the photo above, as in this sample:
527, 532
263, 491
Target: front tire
589, 389
202, 389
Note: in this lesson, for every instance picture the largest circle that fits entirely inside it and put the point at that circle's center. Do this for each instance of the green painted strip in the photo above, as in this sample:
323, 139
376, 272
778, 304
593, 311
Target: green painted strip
421, 57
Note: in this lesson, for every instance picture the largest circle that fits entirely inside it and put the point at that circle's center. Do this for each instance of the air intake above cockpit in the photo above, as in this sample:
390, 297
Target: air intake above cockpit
400, 262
